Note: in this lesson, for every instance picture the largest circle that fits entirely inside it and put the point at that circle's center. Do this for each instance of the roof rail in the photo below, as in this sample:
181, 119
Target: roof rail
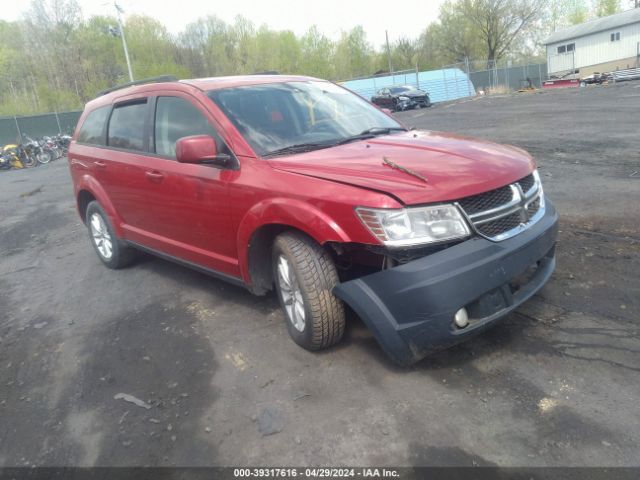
160, 79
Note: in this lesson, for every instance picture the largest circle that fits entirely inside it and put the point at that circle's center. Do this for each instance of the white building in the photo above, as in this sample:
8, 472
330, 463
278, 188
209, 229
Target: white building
601, 45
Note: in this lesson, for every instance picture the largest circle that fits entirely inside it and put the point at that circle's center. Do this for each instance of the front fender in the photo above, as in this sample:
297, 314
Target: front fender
285, 211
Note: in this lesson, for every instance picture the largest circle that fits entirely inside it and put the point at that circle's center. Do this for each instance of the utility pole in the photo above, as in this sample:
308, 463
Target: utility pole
389, 51
124, 42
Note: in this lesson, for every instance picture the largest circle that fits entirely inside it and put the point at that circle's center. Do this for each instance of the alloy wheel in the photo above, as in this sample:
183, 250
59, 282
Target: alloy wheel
101, 237
291, 294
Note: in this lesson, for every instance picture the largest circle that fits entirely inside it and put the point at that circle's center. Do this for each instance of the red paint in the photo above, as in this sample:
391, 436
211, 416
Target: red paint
195, 149
207, 215
561, 83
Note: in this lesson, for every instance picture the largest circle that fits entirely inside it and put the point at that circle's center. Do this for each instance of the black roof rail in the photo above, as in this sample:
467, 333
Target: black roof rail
160, 79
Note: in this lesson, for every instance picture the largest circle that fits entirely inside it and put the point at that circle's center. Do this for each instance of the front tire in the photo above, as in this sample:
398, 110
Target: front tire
43, 157
305, 274
113, 252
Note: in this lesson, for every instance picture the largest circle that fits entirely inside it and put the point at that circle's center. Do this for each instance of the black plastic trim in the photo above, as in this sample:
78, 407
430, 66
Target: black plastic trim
186, 263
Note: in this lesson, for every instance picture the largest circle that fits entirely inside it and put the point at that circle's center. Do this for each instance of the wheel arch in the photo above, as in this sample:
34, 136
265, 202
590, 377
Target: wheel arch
263, 223
88, 190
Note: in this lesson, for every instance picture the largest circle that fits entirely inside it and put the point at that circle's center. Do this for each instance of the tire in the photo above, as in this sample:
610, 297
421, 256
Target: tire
43, 157
113, 252
30, 161
314, 274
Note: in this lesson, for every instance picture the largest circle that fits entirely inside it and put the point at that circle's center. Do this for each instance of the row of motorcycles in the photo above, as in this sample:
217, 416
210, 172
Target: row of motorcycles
34, 152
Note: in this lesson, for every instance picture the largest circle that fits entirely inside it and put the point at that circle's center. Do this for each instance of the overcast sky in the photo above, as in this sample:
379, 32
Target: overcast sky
407, 17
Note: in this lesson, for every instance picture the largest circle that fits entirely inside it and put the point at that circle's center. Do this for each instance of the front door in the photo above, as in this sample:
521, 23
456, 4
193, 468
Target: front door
190, 217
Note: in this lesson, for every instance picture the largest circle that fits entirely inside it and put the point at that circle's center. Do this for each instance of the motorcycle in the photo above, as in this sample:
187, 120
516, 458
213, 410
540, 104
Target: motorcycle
32, 152
62, 141
50, 146
15, 156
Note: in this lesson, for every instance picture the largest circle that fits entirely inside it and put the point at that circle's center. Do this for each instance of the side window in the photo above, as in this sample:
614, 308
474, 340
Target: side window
562, 49
93, 127
126, 126
177, 118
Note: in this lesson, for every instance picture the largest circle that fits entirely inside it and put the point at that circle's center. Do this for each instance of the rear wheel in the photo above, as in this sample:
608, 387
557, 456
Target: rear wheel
113, 252
305, 275
43, 157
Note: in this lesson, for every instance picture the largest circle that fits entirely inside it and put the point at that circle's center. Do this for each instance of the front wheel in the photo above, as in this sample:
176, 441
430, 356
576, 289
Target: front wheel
305, 274
30, 161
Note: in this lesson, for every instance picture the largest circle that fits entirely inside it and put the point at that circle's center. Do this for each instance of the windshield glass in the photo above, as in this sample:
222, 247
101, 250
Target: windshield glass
399, 89
275, 116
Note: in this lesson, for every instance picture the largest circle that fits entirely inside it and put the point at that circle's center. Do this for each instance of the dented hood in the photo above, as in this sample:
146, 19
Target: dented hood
454, 166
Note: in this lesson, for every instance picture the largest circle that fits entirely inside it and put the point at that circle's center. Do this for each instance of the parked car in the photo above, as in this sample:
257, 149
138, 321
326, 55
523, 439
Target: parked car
401, 98
297, 185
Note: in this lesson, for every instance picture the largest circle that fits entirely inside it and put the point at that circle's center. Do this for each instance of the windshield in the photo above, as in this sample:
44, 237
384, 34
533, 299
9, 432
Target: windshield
399, 89
274, 116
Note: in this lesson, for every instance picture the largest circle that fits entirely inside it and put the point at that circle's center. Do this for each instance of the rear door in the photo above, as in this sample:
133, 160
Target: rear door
190, 217
121, 165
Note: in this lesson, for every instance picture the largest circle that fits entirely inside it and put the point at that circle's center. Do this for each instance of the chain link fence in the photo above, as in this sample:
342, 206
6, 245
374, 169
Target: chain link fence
458, 80
450, 82
501, 77
14, 130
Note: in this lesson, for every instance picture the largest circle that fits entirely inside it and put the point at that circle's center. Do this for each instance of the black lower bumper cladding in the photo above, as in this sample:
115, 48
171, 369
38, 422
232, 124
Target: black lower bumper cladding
410, 308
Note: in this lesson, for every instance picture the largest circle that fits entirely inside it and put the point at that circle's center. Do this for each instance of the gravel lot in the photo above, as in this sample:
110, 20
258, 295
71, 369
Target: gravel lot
556, 383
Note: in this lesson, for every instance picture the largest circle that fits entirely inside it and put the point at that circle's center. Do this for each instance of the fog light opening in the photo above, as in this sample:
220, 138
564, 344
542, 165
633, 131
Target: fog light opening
461, 318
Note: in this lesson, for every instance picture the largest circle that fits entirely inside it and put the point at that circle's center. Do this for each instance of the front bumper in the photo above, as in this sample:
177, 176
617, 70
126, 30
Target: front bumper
410, 308
406, 104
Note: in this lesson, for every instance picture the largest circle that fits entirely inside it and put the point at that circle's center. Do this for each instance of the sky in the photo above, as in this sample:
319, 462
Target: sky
406, 18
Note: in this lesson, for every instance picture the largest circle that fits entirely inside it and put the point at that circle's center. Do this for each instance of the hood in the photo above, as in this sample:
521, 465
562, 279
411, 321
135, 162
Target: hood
454, 166
413, 93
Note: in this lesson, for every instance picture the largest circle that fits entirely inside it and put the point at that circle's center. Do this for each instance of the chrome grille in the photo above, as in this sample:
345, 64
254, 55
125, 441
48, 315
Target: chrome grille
487, 200
527, 182
506, 211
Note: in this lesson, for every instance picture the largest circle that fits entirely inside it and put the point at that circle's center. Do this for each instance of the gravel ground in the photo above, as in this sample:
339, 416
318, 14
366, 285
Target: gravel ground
215, 380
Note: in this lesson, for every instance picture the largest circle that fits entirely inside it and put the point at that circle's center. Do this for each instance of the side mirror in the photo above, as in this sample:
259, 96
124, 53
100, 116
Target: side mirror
200, 149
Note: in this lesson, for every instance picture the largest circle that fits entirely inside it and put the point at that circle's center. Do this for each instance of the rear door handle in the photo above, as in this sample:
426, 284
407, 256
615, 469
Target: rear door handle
154, 176
100, 164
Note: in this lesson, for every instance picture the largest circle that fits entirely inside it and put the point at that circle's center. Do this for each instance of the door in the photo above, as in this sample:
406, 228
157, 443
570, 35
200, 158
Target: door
190, 217
120, 166
385, 99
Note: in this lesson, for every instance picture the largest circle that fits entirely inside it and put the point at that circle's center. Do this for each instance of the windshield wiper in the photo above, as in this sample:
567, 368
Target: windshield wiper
382, 130
297, 148
308, 147
369, 133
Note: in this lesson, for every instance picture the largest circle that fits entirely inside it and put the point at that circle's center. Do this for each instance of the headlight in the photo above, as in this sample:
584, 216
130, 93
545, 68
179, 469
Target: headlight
414, 226
404, 99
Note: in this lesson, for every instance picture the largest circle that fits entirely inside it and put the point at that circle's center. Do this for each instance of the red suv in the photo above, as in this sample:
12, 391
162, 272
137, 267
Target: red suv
298, 184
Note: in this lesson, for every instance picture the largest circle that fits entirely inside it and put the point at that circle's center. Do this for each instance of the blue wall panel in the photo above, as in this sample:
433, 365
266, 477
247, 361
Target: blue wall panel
442, 85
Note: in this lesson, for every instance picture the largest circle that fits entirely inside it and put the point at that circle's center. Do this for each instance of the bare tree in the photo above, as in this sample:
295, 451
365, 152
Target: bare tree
499, 22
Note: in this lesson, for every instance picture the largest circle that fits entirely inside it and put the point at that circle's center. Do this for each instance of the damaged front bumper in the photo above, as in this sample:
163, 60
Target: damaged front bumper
410, 308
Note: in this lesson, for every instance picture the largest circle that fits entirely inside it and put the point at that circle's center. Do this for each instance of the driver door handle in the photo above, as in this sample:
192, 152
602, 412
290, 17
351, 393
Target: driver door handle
154, 175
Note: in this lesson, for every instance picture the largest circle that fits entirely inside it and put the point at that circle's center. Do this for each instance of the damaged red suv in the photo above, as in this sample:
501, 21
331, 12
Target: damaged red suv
296, 184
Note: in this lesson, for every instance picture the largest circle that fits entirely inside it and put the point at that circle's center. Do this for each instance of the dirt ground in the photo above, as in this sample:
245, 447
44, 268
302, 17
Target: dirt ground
556, 383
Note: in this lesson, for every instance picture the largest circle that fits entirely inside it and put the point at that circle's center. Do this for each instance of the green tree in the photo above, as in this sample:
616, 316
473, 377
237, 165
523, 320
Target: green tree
353, 54
316, 54
607, 7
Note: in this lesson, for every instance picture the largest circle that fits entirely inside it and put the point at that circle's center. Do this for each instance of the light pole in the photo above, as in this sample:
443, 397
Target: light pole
386, 34
124, 41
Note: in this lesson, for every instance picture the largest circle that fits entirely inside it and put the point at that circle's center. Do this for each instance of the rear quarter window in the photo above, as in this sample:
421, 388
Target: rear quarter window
126, 126
92, 130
